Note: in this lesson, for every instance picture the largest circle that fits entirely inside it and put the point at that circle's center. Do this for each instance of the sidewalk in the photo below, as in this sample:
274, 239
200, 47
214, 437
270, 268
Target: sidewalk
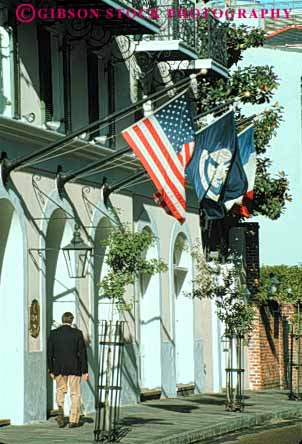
168, 421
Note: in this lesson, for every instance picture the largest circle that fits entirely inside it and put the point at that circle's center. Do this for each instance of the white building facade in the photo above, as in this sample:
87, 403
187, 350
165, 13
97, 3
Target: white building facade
51, 85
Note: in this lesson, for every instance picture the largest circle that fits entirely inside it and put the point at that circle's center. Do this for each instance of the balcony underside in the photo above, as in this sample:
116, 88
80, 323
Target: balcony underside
193, 66
166, 50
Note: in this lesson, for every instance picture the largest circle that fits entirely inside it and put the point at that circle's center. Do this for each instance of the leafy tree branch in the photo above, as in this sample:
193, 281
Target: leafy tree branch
222, 283
126, 260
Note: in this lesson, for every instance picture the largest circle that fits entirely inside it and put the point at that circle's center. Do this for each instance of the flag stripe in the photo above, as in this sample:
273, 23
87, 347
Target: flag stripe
176, 209
250, 171
162, 165
164, 142
159, 140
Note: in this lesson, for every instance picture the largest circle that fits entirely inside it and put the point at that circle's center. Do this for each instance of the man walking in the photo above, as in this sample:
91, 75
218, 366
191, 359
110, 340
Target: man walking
67, 363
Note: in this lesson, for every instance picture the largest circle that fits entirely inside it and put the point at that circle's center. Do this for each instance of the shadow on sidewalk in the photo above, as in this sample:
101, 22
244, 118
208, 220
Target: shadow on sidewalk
133, 421
86, 419
173, 407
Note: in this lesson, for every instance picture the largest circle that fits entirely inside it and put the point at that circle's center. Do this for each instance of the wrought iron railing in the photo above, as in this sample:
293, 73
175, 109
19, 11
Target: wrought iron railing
141, 4
174, 28
137, 4
207, 36
212, 40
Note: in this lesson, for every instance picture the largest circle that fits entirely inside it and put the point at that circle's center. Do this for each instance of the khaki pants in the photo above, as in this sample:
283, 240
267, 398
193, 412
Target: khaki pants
62, 383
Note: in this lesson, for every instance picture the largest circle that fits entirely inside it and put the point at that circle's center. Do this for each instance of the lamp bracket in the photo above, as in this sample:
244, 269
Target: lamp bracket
40, 252
60, 181
5, 167
91, 206
42, 198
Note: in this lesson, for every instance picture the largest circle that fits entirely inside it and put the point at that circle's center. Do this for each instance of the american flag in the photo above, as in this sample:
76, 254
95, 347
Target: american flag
164, 143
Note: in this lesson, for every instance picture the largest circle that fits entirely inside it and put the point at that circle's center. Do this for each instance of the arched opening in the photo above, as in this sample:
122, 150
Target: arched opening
150, 338
61, 291
12, 315
184, 320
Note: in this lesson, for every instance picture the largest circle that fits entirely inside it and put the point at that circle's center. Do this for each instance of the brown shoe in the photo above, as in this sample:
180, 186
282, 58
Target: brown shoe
72, 425
60, 418
60, 421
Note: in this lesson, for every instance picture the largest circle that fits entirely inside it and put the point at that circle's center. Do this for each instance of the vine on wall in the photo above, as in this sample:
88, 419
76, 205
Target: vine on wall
126, 259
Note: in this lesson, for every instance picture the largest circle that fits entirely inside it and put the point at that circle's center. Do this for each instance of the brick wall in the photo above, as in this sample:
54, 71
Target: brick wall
269, 344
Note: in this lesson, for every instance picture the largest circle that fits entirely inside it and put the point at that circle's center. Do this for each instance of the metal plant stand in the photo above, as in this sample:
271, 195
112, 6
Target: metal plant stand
108, 393
295, 365
234, 375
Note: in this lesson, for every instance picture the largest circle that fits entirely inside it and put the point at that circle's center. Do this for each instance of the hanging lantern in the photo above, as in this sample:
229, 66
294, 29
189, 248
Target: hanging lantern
274, 283
76, 255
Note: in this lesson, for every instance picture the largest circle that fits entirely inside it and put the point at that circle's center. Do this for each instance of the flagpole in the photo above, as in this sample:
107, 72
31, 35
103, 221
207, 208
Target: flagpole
216, 108
214, 121
245, 129
247, 119
127, 181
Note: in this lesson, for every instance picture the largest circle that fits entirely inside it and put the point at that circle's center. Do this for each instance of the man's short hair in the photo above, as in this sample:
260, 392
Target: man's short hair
67, 318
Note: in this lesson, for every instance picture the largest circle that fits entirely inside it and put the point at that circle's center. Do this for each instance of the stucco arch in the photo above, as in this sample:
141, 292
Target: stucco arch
150, 317
102, 308
181, 275
59, 291
13, 296
102, 225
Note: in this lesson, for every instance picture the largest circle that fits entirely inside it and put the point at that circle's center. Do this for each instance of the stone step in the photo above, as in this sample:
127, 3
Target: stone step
185, 389
148, 395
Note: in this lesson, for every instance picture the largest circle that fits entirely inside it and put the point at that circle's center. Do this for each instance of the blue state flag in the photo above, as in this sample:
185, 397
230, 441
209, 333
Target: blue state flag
215, 152
236, 183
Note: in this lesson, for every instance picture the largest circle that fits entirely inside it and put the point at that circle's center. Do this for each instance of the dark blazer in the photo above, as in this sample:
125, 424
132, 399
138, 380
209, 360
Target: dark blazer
66, 352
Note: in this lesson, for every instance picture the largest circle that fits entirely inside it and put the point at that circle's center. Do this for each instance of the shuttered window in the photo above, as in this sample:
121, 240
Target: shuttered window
93, 88
45, 73
67, 87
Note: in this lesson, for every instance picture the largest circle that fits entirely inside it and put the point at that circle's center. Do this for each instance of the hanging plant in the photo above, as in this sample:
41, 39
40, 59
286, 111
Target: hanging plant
126, 260
222, 283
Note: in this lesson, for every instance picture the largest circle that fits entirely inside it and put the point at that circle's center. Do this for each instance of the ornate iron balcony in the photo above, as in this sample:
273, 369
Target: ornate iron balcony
141, 4
206, 36
174, 28
137, 4
212, 40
